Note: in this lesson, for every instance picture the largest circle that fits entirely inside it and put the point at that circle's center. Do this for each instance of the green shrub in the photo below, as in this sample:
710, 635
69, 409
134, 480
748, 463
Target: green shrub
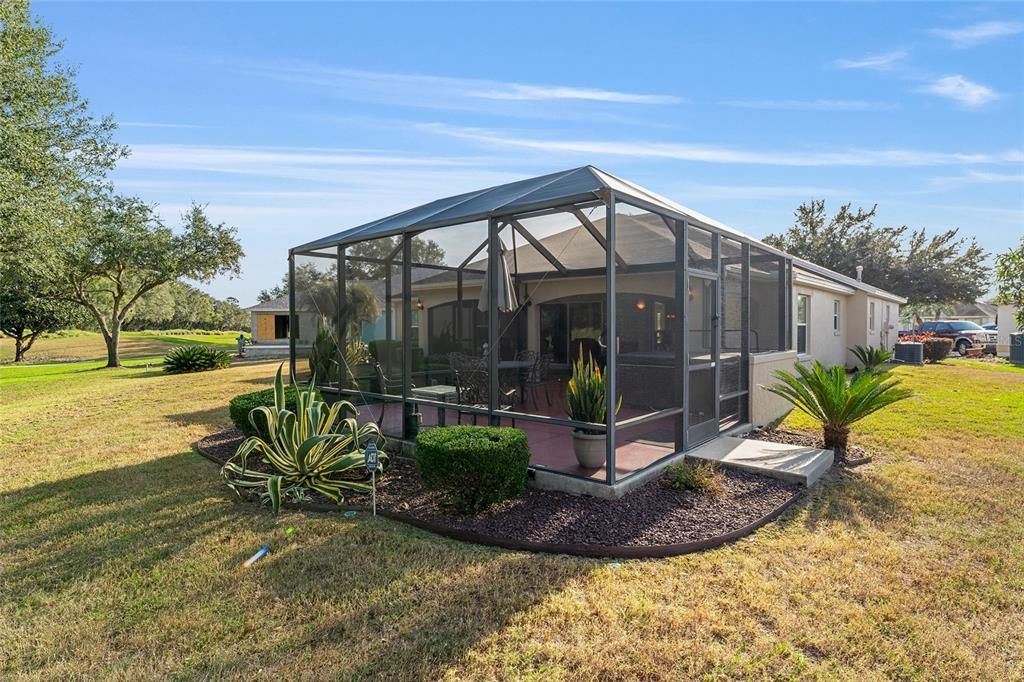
475, 466
195, 358
311, 448
241, 405
700, 476
937, 348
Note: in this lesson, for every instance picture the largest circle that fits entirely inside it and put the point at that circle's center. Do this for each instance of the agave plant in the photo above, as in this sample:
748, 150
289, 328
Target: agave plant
313, 448
835, 402
871, 359
586, 396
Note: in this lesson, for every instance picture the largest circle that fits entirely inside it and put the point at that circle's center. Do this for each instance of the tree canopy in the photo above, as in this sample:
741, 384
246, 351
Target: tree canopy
941, 268
122, 251
1010, 280
53, 156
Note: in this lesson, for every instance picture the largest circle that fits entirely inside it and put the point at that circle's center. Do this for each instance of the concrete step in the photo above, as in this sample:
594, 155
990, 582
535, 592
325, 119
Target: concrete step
794, 463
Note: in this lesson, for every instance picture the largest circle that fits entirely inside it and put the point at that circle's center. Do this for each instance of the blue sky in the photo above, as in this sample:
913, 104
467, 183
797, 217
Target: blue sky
296, 121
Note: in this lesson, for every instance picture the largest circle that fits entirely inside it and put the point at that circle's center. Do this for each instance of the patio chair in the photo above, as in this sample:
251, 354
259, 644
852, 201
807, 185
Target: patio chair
387, 386
539, 378
472, 388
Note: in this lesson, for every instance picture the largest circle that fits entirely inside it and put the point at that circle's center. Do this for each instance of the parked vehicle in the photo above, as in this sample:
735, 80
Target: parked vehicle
990, 327
965, 335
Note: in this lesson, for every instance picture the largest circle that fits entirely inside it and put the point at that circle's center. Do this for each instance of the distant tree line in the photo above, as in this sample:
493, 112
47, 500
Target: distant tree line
178, 305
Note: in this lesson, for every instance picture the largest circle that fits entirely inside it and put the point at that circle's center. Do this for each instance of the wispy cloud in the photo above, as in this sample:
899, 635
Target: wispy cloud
447, 92
959, 89
520, 92
877, 62
155, 124
971, 177
721, 154
979, 33
812, 105
703, 192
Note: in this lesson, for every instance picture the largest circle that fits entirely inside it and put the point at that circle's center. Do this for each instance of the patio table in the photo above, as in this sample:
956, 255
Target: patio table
441, 393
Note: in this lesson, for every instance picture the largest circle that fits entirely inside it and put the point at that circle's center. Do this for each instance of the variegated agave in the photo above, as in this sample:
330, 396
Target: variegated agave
313, 448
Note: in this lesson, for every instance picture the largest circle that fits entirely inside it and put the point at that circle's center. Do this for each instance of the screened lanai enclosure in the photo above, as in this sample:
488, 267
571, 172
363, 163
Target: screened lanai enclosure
471, 309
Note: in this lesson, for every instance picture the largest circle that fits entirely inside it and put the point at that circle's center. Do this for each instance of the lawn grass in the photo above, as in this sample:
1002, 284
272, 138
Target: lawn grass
120, 558
80, 346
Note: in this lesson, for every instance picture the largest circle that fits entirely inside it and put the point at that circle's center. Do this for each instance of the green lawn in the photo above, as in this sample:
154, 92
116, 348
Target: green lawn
79, 346
120, 556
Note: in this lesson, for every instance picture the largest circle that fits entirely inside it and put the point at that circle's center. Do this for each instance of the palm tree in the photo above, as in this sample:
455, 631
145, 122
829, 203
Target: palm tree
836, 403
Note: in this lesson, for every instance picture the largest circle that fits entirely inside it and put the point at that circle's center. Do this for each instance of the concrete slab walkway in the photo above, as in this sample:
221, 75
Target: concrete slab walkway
794, 463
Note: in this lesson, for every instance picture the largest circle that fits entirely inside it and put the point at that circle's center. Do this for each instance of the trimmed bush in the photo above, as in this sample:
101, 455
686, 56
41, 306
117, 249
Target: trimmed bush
936, 349
195, 358
475, 466
241, 405
700, 476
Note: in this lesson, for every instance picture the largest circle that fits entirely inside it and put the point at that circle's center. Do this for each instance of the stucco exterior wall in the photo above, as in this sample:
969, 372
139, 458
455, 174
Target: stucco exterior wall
824, 343
767, 407
1007, 325
860, 330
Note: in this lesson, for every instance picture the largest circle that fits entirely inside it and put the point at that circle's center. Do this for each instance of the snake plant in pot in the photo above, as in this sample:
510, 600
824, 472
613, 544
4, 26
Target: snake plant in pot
316, 447
586, 400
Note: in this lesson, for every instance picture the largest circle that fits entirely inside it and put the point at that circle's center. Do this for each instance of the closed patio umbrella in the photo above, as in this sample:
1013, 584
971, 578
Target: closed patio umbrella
507, 300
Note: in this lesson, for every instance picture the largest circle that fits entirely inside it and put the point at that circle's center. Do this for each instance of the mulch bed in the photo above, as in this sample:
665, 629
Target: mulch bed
653, 520
855, 454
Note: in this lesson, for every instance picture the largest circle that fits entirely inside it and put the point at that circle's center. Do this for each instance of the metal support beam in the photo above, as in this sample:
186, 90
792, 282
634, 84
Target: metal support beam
600, 238
783, 305
407, 407
535, 243
389, 324
611, 338
493, 254
342, 318
470, 257
679, 333
745, 325
293, 316
458, 313
683, 254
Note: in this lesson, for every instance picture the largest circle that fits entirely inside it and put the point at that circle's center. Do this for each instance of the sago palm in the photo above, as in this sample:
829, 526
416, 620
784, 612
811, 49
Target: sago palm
871, 358
834, 401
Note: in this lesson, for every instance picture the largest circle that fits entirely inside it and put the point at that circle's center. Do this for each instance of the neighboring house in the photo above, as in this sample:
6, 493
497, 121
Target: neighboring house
1007, 325
978, 313
270, 323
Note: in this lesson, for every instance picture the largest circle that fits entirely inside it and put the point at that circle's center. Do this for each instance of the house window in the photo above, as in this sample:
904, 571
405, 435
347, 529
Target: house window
802, 310
835, 317
871, 316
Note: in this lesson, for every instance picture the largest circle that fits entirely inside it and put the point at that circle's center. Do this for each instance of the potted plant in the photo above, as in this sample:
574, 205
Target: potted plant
586, 399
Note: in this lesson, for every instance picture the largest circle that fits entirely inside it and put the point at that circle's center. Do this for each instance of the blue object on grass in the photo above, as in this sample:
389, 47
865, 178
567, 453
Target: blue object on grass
350, 514
260, 553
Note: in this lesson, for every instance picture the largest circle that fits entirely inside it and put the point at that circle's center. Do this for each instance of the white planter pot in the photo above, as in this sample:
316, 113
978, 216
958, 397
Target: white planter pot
590, 449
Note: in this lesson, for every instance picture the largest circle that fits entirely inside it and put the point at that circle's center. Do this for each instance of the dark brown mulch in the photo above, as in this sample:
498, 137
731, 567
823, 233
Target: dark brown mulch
651, 515
855, 454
